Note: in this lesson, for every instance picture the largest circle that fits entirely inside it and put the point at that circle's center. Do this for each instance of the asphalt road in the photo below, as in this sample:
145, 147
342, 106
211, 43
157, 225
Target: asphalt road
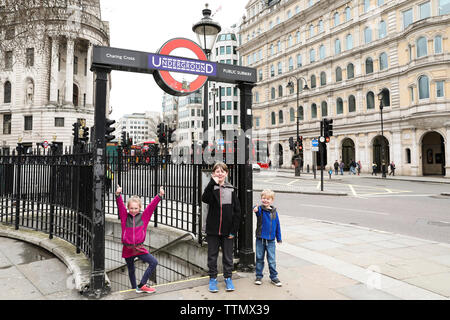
410, 208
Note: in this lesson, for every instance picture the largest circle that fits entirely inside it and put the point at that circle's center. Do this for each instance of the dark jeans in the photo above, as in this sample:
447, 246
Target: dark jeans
152, 263
214, 242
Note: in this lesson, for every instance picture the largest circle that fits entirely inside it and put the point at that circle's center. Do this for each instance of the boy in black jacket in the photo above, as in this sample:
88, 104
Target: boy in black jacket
222, 224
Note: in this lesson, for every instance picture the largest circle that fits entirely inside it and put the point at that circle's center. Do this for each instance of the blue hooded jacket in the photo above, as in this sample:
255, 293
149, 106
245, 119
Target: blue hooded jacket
268, 224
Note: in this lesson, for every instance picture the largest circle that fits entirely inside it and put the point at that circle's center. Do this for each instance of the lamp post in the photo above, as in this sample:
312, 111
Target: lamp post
206, 30
383, 161
290, 85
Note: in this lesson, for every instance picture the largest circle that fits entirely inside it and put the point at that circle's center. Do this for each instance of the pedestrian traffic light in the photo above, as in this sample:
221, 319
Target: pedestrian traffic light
291, 143
109, 130
76, 133
85, 135
327, 128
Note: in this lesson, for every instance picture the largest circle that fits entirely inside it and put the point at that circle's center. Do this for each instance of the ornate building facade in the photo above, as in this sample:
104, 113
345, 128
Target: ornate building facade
42, 95
347, 52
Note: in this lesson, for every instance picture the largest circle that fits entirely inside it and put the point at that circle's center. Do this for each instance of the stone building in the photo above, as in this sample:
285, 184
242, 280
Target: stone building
42, 95
348, 52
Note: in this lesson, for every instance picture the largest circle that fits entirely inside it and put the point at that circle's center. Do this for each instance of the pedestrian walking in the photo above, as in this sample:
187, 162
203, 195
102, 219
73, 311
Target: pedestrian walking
134, 224
358, 167
352, 167
392, 167
374, 168
336, 167
222, 223
268, 231
341, 167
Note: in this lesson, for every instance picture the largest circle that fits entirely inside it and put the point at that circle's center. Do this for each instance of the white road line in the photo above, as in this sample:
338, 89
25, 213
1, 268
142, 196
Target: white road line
353, 190
345, 209
291, 182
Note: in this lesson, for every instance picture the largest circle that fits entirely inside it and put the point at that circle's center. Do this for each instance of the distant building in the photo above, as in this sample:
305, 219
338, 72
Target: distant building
139, 126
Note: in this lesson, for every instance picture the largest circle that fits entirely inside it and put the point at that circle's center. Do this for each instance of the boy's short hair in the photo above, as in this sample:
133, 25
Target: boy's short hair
268, 194
221, 165
135, 199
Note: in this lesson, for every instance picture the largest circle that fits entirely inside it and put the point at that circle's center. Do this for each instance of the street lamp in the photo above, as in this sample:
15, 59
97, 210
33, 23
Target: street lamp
383, 161
206, 30
290, 85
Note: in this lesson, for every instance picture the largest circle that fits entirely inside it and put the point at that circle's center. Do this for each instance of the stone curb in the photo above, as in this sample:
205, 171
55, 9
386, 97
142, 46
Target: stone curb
321, 193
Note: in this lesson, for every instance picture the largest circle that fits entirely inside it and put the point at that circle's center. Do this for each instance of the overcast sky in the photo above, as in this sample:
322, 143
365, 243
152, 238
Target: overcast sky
145, 25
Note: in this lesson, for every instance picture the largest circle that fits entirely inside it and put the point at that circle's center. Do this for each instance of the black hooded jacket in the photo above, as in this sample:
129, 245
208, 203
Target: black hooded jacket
224, 210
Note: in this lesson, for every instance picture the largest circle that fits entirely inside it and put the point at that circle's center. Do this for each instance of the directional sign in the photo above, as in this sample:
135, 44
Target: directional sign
45, 144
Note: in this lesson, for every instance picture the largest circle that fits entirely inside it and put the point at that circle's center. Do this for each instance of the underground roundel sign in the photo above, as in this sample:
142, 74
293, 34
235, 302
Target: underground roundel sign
164, 63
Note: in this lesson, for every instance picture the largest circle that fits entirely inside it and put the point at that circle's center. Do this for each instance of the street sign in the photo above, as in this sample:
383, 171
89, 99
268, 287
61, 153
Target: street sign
45, 144
220, 141
316, 149
314, 143
322, 139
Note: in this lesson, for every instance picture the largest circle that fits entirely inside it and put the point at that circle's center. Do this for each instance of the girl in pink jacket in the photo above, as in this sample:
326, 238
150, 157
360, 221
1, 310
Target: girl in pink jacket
134, 223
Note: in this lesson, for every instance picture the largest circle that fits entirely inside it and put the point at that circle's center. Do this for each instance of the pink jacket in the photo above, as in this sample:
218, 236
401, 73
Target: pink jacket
134, 228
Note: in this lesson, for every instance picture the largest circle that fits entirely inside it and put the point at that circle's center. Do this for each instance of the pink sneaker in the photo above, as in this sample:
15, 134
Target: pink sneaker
145, 289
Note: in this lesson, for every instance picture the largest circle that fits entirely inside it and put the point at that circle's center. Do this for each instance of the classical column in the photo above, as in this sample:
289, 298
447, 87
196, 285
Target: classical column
89, 78
447, 152
68, 98
415, 154
54, 71
397, 150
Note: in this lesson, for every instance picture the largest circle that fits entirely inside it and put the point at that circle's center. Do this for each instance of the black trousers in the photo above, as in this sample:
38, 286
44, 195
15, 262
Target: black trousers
214, 243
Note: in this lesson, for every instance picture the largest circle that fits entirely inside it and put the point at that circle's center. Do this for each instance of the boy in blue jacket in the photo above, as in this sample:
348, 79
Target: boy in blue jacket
267, 230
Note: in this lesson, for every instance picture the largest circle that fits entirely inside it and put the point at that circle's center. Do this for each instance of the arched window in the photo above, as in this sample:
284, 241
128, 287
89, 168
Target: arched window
313, 81
272, 93
336, 19
421, 47
351, 104
271, 50
280, 116
383, 61
348, 14
291, 64
338, 74
369, 65
367, 35
324, 107
348, 42
339, 106
280, 91
272, 71
320, 26
7, 92
300, 114
292, 114
313, 111
424, 87
289, 41
382, 29
438, 44
278, 46
337, 46
366, 5
350, 71
311, 31
370, 100
323, 78
274, 120
322, 52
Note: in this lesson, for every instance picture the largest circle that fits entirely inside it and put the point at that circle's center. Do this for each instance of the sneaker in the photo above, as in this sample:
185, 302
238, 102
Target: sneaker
258, 281
276, 282
213, 285
145, 289
229, 284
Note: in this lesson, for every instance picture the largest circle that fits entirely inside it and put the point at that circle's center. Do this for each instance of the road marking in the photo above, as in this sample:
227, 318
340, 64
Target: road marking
318, 186
340, 208
353, 190
291, 182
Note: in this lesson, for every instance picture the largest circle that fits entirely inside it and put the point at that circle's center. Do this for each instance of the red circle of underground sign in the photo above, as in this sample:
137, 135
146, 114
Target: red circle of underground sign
169, 81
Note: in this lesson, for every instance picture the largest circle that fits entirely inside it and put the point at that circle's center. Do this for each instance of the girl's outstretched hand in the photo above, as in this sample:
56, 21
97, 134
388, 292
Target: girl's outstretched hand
118, 190
161, 192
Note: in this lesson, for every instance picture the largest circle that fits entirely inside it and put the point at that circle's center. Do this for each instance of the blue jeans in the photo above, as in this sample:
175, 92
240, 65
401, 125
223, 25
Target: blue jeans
152, 263
263, 246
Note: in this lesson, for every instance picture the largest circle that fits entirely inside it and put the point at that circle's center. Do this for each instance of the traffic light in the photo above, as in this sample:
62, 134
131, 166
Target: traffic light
161, 132
170, 135
327, 128
109, 130
300, 143
123, 139
76, 133
85, 135
291, 143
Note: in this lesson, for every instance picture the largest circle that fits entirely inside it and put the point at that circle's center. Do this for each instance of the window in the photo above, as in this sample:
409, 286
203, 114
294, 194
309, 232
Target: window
75, 65
337, 46
272, 71
370, 100
300, 114
271, 50
324, 108
424, 10
339, 106
322, 52
297, 36
291, 64
280, 69
313, 111
274, 120
408, 155
367, 35
229, 120
229, 91
8, 59
289, 14
438, 44
411, 94
348, 14
28, 123
380, 2
280, 91
351, 104
444, 6
289, 41
320, 26
299, 60
439, 89
382, 29
59, 122
292, 114
366, 5
348, 42
7, 92
323, 78
350, 71
312, 55
421, 47
280, 116
313, 81
29, 57
311, 31
383, 61
228, 49
336, 19
338, 74
260, 75
407, 18
369, 65
272, 93
278, 46
7, 124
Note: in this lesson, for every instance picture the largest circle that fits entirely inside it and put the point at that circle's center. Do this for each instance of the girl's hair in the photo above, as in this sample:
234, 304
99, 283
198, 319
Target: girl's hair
221, 165
135, 199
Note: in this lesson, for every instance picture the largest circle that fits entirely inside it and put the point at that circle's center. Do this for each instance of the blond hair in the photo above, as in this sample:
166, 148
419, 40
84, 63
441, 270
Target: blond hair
135, 199
221, 165
268, 194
